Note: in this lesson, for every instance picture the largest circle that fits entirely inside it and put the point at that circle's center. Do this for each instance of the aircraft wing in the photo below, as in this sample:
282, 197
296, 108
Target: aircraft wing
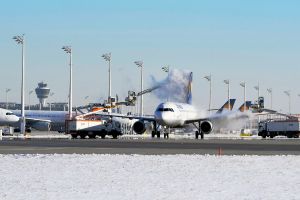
144, 118
196, 120
33, 120
218, 117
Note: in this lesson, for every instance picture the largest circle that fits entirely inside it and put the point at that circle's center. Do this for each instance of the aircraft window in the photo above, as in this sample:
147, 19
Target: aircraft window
165, 109
9, 113
168, 109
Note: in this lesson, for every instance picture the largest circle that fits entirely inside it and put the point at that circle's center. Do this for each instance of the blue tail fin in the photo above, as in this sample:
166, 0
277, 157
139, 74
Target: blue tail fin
189, 89
245, 108
227, 106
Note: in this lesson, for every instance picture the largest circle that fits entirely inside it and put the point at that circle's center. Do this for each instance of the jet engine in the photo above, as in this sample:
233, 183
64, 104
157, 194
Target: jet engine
206, 127
41, 126
139, 127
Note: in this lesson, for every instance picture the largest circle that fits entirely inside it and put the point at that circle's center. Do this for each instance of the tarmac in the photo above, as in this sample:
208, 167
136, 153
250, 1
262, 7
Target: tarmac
150, 146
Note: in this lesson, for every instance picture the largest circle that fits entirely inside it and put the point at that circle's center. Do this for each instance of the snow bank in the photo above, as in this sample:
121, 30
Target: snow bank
149, 177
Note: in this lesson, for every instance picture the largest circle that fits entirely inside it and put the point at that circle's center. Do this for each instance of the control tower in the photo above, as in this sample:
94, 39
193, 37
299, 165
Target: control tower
42, 93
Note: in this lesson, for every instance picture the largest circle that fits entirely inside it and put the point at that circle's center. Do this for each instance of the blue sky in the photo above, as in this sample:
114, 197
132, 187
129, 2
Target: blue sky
238, 40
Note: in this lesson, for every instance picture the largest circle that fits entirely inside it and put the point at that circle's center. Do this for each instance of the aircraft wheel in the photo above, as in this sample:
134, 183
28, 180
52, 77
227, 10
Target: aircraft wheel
102, 136
74, 136
197, 134
92, 136
115, 136
153, 134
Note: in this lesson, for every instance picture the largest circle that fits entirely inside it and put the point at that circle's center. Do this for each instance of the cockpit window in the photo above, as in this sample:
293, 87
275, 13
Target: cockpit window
169, 109
9, 113
165, 109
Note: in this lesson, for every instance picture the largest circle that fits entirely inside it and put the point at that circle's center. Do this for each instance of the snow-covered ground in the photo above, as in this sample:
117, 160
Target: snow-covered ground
149, 177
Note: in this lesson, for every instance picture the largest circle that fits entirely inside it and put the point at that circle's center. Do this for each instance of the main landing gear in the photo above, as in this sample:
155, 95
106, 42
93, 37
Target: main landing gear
155, 132
198, 132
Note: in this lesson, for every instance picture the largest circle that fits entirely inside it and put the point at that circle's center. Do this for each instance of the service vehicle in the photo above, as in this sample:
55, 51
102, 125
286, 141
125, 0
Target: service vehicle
93, 128
288, 128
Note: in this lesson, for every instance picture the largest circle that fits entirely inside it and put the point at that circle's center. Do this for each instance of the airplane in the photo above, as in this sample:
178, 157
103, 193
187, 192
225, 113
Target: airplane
36, 119
173, 115
44, 120
215, 118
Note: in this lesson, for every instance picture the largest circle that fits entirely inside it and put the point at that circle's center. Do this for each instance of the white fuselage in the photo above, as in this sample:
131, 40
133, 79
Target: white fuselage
53, 116
39, 119
172, 114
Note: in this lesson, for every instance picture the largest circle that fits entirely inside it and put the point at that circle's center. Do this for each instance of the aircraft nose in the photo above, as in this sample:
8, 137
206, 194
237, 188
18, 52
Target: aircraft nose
168, 118
162, 118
